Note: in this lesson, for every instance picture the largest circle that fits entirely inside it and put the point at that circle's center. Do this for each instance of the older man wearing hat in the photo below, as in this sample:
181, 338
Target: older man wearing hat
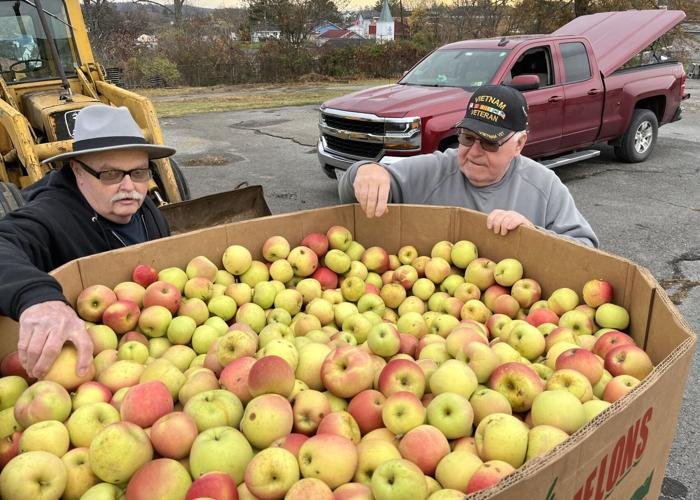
485, 173
97, 202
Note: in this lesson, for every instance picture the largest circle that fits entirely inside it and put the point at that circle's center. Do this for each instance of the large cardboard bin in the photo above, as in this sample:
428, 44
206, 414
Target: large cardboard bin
620, 454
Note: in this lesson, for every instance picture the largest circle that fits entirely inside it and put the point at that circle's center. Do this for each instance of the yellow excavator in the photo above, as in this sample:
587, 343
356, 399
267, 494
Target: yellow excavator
47, 74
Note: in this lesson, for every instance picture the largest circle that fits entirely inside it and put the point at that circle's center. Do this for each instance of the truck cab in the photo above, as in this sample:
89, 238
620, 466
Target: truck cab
577, 94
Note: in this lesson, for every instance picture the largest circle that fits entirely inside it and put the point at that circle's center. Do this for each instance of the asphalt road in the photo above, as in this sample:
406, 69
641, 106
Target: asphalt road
647, 212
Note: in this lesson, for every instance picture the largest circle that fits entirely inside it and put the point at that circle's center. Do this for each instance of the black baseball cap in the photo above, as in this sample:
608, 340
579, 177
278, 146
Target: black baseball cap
494, 111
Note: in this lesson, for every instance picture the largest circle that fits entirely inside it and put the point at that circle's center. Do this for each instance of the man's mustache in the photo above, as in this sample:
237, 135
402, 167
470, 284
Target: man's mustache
124, 195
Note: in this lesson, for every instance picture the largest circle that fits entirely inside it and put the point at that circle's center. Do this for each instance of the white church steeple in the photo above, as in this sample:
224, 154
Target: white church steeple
385, 24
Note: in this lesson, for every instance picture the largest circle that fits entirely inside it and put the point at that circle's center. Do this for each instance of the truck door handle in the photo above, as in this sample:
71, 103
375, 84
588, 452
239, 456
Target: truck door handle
592, 92
554, 98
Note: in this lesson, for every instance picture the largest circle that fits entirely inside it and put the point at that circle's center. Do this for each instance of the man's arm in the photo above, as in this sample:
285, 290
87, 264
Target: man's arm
564, 219
411, 180
371, 188
29, 294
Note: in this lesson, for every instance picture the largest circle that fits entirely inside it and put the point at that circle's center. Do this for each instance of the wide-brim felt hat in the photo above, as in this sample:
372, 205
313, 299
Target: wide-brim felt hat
99, 128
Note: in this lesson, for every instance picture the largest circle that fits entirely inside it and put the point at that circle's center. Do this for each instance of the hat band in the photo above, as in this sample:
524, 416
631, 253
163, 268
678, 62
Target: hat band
106, 142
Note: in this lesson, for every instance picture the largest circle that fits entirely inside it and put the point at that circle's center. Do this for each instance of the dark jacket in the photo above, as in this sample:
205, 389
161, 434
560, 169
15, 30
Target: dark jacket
56, 225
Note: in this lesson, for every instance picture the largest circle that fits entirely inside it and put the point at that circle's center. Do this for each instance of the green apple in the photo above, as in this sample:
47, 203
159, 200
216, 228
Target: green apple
118, 451
452, 414
486, 401
371, 454
237, 259
80, 477
500, 436
271, 473
181, 329
456, 469
558, 408
11, 387
453, 376
214, 408
48, 435
398, 479
267, 418
612, 316
222, 449
87, 421
33, 475
543, 438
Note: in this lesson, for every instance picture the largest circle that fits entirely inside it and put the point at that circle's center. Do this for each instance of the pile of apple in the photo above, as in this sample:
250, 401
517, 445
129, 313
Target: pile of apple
327, 371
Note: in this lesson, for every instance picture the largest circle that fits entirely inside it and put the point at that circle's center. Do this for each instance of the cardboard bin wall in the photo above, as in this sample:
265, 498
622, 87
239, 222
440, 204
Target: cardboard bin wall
620, 454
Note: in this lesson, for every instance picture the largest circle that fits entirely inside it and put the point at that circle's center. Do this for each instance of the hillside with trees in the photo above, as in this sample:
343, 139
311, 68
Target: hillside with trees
159, 44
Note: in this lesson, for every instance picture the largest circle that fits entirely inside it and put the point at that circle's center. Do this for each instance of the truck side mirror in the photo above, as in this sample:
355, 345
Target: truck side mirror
525, 82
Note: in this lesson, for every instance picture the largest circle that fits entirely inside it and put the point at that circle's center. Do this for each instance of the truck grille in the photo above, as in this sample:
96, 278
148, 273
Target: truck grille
353, 148
366, 127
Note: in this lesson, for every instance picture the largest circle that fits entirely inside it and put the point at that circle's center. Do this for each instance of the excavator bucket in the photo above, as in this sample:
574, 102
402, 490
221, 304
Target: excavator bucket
215, 209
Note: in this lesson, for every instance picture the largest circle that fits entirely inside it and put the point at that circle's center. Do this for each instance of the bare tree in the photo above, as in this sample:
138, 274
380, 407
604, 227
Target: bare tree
294, 18
175, 11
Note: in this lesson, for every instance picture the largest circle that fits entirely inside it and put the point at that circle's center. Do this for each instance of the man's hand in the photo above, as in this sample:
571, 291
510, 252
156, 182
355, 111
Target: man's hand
502, 221
372, 189
43, 329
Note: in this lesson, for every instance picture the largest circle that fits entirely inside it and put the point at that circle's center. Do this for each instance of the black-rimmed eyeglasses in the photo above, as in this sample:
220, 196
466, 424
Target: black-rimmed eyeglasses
116, 176
467, 140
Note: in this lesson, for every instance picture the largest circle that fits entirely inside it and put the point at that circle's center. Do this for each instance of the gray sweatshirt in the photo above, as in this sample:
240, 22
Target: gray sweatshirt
528, 188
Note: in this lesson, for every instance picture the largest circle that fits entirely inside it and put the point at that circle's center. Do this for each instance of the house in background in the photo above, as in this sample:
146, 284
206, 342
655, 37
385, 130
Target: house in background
149, 41
263, 33
338, 37
381, 28
362, 23
326, 26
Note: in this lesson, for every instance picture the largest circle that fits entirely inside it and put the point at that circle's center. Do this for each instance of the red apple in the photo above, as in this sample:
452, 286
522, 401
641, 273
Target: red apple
93, 301
162, 293
121, 316
144, 275
318, 242
327, 278
610, 340
628, 359
346, 371
145, 403
366, 408
597, 292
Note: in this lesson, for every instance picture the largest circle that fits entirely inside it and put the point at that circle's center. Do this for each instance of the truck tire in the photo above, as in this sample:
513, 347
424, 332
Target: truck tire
640, 138
180, 180
10, 198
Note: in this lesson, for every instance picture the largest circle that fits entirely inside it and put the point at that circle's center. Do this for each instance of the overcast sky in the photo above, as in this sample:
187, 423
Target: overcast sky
213, 4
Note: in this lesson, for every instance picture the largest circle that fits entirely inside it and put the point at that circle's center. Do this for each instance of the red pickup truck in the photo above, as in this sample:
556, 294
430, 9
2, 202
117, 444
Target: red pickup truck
587, 83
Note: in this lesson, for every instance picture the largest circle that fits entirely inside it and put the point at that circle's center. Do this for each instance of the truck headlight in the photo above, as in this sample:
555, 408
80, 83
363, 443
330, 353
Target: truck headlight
402, 134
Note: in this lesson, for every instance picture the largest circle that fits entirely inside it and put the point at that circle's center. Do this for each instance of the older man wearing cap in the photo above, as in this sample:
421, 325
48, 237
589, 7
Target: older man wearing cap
485, 173
97, 203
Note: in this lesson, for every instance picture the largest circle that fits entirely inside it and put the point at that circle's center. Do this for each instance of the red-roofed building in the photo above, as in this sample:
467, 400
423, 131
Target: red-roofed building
339, 34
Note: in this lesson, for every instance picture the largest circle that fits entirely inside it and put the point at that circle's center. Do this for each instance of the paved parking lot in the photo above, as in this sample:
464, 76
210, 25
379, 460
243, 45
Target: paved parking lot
647, 212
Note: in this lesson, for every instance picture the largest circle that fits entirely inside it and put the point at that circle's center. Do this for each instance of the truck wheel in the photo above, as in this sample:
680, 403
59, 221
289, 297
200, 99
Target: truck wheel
180, 180
10, 198
639, 139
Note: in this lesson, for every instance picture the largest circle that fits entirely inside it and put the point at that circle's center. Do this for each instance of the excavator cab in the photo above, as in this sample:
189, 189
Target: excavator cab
47, 74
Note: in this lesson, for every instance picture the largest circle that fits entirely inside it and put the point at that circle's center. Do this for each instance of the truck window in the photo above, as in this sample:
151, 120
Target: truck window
535, 61
576, 65
24, 50
466, 68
